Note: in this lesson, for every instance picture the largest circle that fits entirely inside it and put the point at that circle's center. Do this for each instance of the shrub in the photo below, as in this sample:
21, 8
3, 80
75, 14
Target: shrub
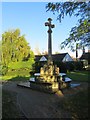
38, 65
63, 66
69, 66
3, 69
78, 65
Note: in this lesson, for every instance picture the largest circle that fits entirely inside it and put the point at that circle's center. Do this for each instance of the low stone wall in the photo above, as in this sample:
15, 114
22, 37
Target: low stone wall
46, 87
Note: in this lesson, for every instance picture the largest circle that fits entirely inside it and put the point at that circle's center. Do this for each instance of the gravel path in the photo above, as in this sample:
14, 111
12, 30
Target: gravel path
35, 104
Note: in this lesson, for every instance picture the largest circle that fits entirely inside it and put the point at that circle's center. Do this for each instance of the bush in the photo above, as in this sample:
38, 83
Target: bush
78, 65
70, 66
4, 70
63, 66
38, 65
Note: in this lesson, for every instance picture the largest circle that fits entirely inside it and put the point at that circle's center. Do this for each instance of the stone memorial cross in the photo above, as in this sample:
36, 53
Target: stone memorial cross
49, 37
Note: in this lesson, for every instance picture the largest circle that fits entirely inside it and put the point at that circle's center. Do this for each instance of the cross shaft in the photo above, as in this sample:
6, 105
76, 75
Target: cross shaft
49, 37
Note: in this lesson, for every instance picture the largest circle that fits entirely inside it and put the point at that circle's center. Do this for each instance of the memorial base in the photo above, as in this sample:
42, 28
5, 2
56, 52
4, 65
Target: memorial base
45, 87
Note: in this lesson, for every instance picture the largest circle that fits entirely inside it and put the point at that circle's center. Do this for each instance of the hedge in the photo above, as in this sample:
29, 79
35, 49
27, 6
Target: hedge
63, 66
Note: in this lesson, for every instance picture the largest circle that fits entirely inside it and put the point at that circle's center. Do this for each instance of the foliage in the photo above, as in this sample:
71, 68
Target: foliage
63, 66
81, 32
69, 66
78, 34
3, 69
16, 53
78, 65
20, 65
70, 8
38, 65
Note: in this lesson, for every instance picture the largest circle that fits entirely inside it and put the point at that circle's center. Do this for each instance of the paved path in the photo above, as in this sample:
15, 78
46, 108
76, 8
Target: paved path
35, 104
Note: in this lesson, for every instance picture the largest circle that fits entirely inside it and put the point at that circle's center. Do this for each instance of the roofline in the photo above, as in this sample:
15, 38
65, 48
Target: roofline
52, 54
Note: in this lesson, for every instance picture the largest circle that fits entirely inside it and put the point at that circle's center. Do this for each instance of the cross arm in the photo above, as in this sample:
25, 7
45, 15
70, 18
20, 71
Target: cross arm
46, 24
53, 26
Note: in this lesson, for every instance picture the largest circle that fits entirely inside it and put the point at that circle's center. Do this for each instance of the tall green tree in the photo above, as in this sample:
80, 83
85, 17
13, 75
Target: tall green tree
15, 48
79, 33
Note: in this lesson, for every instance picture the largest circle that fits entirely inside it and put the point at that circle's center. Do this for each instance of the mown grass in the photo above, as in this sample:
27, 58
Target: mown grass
16, 75
81, 76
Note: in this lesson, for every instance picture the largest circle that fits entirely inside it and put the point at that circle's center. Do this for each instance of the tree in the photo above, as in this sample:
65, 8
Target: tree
45, 53
37, 51
15, 48
57, 52
79, 33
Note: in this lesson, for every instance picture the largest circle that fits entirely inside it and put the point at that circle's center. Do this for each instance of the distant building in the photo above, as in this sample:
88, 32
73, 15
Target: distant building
86, 56
63, 57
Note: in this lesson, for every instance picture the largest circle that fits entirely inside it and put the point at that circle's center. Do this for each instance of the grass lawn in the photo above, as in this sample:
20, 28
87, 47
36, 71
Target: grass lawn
16, 75
81, 76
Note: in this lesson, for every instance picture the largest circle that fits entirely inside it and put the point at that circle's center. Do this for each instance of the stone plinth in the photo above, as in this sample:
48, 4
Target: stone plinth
46, 87
49, 73
48, 78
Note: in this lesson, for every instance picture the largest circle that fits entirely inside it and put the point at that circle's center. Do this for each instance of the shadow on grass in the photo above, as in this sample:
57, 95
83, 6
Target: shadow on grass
16, 79
19, 78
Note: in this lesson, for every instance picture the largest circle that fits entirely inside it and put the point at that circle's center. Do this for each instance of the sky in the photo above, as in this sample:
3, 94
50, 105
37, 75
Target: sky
30, 18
